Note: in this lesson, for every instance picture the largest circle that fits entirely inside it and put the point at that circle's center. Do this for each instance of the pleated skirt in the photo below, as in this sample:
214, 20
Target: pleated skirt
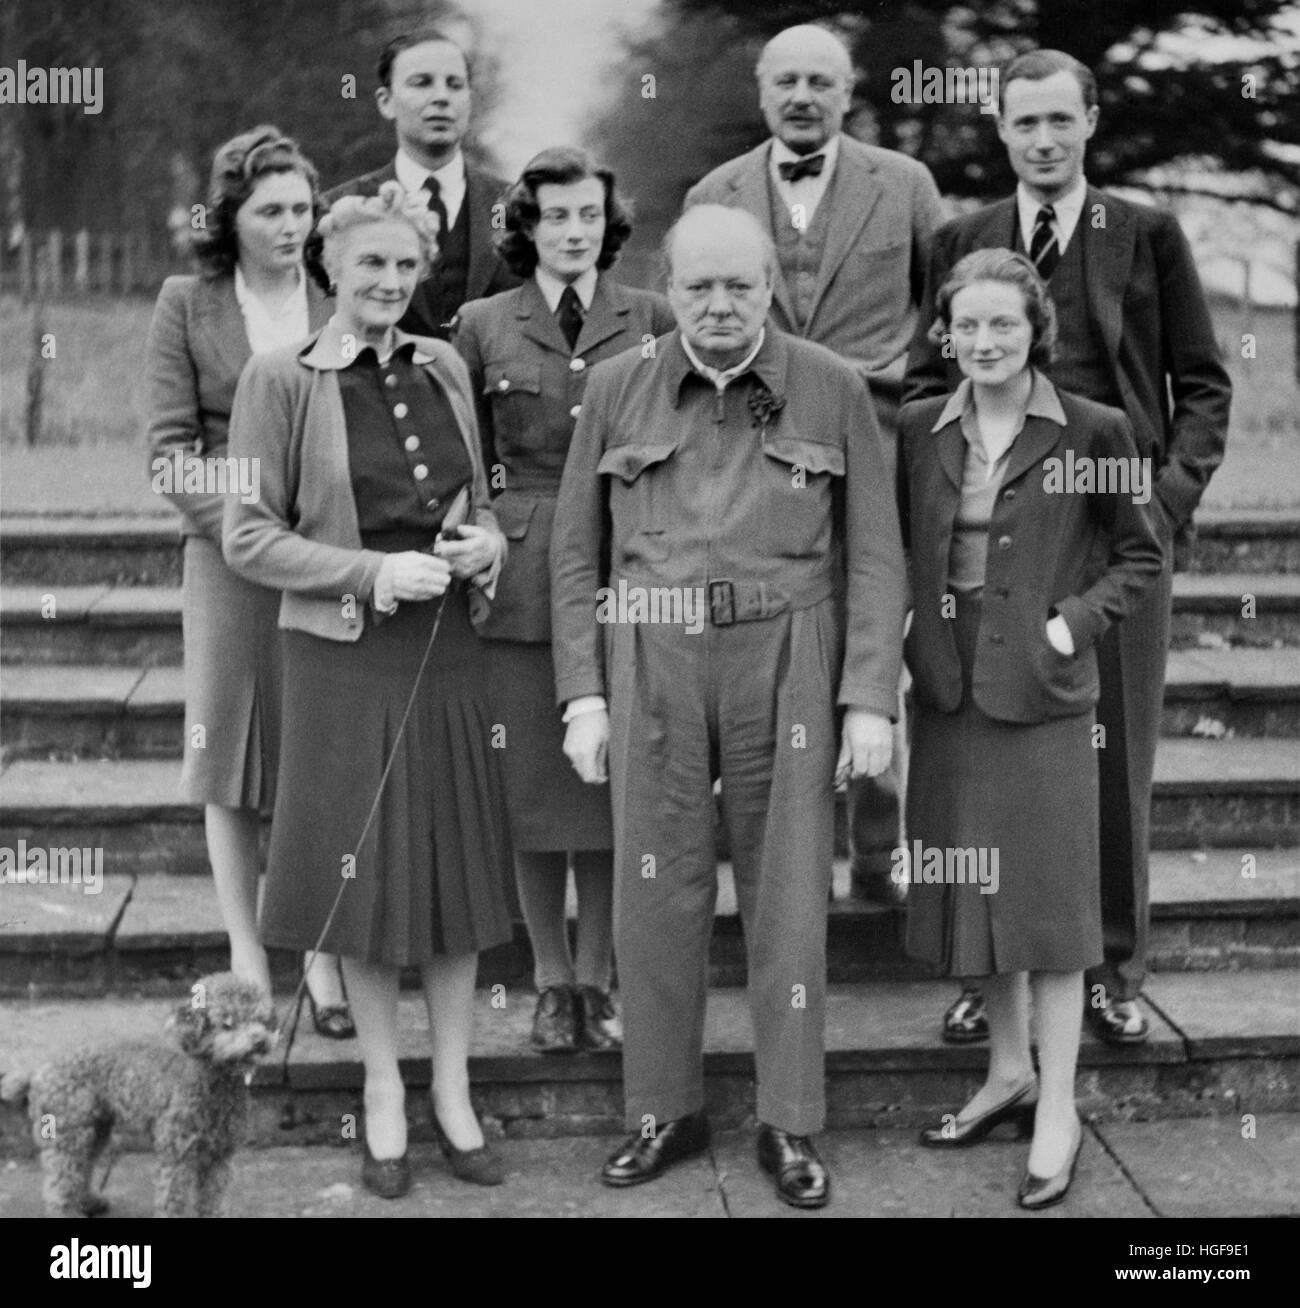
551, 807
430, 876
232, 683
1024, 799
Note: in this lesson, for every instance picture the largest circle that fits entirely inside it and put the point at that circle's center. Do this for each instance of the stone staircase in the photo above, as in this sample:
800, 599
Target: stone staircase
90, 733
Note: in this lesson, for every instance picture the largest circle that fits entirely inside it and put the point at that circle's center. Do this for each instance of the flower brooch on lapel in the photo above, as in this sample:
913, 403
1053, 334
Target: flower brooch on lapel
765, 406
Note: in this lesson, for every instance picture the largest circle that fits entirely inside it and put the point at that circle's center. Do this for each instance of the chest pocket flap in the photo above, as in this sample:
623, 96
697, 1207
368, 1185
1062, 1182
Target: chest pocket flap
509, 376
630, 461
812, 456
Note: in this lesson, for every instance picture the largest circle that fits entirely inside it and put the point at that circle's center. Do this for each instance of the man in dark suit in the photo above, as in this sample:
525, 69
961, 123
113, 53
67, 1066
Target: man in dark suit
1135, 333
424, 91
852, 226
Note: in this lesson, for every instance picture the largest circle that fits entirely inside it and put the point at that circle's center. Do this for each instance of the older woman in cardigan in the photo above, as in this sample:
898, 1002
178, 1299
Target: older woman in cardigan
390, 844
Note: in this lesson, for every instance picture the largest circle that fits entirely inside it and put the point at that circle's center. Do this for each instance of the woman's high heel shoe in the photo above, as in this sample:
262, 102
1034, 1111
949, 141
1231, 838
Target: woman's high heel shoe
1043, 1191
953, 1133
389, 1178
481, 1166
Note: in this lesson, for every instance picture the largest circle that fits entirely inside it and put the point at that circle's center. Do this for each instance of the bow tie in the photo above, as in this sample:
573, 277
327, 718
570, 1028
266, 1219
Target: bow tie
810, 166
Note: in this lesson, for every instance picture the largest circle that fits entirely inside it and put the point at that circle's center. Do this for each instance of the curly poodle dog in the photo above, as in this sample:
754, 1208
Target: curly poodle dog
192, 1101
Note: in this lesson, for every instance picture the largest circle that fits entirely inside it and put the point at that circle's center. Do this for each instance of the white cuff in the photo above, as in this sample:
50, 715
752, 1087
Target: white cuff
583, 704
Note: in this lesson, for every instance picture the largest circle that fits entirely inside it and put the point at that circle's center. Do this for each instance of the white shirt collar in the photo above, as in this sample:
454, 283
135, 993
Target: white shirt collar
720, 377
781, 153
267, 328
552, 287
451, 180
1068, 210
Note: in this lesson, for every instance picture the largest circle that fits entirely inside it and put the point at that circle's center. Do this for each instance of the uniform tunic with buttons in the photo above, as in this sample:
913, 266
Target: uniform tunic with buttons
433, 874
530, 385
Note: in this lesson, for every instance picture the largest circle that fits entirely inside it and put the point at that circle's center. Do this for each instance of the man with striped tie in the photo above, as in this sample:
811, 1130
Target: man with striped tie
1133, 332
424, 91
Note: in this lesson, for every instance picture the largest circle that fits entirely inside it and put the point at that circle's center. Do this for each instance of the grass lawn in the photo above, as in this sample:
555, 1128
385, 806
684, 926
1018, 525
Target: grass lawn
91, 457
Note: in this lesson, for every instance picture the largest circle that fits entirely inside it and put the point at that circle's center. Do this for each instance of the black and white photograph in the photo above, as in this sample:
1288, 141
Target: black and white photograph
650, 608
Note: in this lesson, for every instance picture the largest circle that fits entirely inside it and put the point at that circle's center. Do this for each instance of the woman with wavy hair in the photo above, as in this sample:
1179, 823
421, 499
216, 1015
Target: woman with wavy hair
251, 297
528, 352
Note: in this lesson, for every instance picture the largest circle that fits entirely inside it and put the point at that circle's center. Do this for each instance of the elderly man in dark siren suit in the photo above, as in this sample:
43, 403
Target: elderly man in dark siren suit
852, 225
424, 89
1134, 333
742, 466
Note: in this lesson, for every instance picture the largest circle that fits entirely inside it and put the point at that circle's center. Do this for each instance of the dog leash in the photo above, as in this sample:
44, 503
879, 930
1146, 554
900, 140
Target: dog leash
455, 516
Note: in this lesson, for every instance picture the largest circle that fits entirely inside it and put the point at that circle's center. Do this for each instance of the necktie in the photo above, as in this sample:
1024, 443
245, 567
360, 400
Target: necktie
1043, 249
809, 166
436, 205
570, 315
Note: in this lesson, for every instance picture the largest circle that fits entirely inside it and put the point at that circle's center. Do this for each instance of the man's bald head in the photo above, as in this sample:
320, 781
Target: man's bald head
721, 264
805, 84
716, 227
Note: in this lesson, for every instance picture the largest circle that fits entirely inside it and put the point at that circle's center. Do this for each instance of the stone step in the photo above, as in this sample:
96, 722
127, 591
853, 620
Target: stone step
67, 712
1247, 540
122, 626
144, 551
88, 551
1259, 610
1224, 1044
1208, 794
141, 625
1216, 909
73, 711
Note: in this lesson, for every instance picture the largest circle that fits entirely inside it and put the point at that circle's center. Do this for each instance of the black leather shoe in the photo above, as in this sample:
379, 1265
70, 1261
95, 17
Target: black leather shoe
956, 1134
964, 1023
481, 1166
555, 1021
1119, 1022
639, 1159
1043, 1191
597, 1020
801, 1177
389, 1178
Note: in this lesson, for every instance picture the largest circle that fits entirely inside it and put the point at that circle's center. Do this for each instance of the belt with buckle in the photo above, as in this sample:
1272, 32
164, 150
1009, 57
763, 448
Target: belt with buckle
744, 601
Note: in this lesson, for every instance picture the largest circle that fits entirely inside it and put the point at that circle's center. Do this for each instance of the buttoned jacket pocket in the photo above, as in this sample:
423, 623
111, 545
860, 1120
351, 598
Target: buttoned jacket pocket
521, 608
641, 509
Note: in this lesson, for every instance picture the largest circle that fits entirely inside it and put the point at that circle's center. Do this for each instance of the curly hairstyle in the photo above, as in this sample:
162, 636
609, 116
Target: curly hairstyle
558, 166
1000, 265
392, 203
237, 167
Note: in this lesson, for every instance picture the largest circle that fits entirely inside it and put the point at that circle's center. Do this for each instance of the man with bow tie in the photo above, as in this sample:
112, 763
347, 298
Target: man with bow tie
1134, 332
852, 226
424, 91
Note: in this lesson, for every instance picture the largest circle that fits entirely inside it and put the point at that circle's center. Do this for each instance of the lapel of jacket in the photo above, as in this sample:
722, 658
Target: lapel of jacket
852, 195
1108, 259
607, 316
750, 191
994, 226
950, 448
478, 231
1037, 437
537, 322
223, 323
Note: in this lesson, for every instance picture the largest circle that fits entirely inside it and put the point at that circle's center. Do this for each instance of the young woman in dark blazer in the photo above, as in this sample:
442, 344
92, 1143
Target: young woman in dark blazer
1019, 563
528, 351
252, 296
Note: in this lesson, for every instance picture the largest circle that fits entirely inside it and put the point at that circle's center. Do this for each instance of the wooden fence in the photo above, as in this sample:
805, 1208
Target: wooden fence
53, 264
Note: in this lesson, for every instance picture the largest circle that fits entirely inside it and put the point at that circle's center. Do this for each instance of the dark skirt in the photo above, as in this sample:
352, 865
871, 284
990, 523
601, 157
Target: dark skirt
551, 807
431, 877
232, 682
1023, 798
